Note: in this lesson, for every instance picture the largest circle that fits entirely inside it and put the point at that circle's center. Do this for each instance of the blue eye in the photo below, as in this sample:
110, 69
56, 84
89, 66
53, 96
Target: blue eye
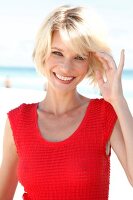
57, 53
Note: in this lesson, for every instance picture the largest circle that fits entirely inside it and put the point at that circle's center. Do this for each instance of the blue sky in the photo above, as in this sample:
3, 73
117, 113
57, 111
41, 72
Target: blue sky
20, 20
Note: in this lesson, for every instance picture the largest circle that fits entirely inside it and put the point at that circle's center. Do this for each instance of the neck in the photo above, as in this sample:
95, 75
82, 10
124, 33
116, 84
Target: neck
59, 103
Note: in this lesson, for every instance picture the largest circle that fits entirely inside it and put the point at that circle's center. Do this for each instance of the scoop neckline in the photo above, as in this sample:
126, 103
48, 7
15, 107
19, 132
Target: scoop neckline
67, 140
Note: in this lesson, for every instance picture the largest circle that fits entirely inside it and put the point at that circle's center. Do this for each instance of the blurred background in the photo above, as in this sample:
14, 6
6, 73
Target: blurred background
20, 20
19, 81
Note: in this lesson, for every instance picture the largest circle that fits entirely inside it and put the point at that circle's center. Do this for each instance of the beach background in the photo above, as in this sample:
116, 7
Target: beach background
20, 82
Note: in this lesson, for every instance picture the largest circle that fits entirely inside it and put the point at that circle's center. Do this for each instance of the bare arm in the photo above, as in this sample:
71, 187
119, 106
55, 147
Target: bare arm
8, 168
122, 138
111, 89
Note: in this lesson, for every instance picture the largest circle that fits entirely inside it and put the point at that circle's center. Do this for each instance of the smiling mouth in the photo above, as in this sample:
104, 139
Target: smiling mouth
64, 78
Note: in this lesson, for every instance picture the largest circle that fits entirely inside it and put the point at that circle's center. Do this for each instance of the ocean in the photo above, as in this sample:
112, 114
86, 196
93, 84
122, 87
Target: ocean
29, 78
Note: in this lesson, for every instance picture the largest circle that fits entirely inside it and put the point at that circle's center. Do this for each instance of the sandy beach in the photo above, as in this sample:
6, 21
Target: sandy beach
120, 188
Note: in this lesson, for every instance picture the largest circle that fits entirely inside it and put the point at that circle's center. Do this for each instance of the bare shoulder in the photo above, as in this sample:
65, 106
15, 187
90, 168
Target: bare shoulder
8, 168
8, 141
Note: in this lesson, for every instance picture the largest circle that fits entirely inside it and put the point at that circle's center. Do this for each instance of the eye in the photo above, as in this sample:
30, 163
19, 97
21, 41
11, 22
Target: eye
57, 53
79, 57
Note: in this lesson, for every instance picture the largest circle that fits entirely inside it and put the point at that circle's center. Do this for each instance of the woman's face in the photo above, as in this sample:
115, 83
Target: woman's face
64, 69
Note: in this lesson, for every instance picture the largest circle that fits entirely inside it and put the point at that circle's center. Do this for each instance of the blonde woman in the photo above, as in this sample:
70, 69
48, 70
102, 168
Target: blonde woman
59, 148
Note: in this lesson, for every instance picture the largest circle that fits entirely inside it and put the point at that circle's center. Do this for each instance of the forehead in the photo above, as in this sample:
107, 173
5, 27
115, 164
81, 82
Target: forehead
64, 44
56, 38
58, 42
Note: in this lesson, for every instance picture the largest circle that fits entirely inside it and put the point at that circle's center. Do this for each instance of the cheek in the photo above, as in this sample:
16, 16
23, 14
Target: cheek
87, 69
48, 66
48, 62
51, 62
84, 69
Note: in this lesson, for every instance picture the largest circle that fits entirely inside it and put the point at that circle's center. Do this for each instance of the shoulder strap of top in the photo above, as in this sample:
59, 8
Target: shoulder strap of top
105, 114
19, 121
110, 117
110, 120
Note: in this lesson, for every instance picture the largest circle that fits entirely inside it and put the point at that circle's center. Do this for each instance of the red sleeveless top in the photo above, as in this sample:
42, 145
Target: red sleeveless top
76, 168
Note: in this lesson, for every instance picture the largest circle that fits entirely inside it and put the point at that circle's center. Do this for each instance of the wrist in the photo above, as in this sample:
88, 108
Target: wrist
119, 103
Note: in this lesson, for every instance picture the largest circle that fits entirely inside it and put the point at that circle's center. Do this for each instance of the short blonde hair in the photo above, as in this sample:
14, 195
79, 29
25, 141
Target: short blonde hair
79, 28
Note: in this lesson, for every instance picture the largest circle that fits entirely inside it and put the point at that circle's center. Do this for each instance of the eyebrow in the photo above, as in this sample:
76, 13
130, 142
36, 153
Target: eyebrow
57, 48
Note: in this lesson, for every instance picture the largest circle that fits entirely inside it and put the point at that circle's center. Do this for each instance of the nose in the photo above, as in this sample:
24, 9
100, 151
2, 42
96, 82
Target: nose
66, 65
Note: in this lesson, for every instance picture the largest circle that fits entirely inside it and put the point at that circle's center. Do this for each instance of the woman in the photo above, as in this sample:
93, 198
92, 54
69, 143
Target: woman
59, 148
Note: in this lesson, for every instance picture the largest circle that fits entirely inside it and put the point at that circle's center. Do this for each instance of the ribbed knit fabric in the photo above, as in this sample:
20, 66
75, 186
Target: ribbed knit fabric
74, 169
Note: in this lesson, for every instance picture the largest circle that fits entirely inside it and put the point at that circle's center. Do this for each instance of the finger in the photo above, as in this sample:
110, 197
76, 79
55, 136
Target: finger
122, 61
103, 61
109, 72
108, 58
99, 78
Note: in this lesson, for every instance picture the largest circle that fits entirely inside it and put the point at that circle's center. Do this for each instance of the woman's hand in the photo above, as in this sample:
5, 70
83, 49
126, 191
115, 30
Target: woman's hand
111, 88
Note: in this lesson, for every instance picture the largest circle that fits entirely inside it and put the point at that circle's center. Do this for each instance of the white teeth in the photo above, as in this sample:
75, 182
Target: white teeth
64, 78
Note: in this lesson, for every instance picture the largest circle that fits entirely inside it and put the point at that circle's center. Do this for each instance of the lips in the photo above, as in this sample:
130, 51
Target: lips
64, 78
